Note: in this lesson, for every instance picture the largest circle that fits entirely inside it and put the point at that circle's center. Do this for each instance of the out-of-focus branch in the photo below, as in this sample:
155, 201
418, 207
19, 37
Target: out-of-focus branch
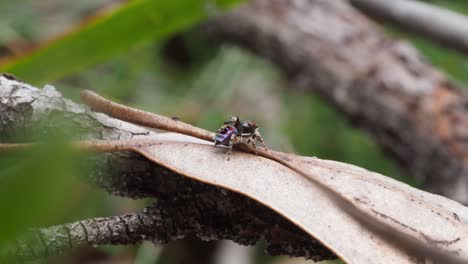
185, 207
444, 26
381, 84
124, 230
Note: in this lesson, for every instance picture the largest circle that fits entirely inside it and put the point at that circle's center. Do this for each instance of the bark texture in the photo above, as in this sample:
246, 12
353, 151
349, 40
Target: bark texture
184, 208
381, 84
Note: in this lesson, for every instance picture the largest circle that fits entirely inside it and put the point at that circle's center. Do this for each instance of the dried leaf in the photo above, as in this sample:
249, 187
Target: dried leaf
431, 219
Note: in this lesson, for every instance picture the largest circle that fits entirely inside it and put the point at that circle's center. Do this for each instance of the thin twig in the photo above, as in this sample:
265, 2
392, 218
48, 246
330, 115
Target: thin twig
143, 118
98, 146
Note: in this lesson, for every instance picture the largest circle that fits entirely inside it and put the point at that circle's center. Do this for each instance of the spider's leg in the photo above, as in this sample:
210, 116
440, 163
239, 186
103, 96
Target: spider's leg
251, 141
232, 140
242, 139
258, 136
229, 152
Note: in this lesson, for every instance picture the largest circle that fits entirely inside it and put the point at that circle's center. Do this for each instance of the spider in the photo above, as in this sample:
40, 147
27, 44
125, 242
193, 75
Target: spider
235, 131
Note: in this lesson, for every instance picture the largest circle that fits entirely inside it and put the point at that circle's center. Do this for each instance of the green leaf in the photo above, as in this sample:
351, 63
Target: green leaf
35, 186
135, 23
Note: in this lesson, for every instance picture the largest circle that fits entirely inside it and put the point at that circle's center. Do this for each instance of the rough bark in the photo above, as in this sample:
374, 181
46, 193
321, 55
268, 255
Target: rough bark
444, 26
184, 208
380, 84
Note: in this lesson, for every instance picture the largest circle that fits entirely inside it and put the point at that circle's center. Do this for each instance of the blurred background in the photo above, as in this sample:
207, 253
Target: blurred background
175, 72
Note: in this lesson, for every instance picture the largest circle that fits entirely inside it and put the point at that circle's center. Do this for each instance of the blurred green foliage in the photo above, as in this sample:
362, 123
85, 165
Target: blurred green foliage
35, 186
186, 76
105, 36
454, 5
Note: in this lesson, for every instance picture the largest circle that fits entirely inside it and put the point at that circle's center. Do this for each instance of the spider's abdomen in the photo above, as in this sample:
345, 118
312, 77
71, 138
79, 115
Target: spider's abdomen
224, 135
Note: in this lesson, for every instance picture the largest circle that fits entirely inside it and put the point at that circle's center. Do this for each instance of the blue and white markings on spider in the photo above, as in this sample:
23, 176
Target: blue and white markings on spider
235, 131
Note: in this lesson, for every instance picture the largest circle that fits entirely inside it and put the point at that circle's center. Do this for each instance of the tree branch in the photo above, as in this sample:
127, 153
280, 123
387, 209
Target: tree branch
125, 229
185, 207
230, 216
444, 26
381, 84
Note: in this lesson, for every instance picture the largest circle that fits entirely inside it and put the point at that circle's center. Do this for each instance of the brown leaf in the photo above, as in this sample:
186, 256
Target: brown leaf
431, 220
